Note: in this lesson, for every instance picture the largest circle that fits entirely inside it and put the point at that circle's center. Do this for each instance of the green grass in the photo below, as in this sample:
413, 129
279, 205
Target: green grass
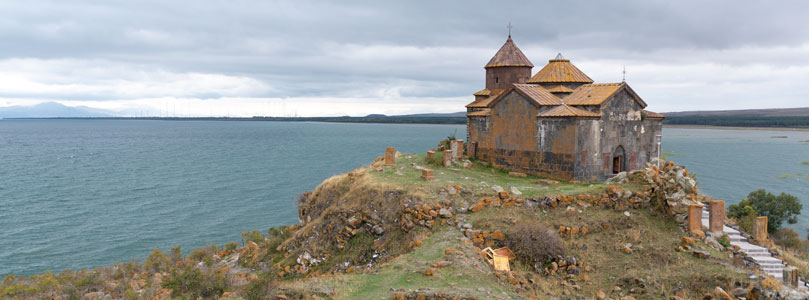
479, 179
407, 272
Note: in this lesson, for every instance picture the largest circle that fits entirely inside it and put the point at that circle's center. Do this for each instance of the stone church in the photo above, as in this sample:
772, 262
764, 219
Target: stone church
558, 123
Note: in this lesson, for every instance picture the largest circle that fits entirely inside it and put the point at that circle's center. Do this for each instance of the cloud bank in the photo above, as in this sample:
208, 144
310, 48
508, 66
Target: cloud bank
320, 58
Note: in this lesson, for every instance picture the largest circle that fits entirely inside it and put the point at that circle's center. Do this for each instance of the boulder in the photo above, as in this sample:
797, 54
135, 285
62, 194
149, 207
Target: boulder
720, 294
378, 229
514, 191
445, 213
601, 295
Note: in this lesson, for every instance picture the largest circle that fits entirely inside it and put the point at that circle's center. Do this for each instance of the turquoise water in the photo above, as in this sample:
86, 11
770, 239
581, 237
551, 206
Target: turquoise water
85, 193
729, 164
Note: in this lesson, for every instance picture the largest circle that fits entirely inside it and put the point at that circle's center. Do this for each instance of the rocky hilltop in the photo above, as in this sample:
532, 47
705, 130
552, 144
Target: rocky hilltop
413, 226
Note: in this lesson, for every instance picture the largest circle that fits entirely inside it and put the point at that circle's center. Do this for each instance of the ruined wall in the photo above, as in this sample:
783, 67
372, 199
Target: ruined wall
503, 77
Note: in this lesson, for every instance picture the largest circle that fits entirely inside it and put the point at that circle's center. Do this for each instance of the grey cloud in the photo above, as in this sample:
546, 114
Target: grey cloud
367, 48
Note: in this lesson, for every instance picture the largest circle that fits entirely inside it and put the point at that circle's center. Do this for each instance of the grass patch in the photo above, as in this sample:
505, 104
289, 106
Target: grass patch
406, 274
654, 239
479, 179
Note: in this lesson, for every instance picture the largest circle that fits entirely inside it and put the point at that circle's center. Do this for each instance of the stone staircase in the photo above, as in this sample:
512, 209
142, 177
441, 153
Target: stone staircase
761, 256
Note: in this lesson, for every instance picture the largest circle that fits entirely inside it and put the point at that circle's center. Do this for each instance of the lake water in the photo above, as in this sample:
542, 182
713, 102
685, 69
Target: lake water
85, 193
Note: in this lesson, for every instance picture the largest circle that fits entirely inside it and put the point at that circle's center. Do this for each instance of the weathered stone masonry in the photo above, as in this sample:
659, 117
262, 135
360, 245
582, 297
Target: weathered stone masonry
558, 123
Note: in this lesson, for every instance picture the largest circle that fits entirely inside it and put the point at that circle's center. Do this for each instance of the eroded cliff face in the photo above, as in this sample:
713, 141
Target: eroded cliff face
349, 215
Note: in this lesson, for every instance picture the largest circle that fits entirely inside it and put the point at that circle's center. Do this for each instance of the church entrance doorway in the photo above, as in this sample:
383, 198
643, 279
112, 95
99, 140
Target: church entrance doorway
618, 161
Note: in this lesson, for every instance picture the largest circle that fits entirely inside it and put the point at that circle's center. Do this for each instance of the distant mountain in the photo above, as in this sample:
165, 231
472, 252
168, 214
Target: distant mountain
52, 110
445, 115
767, 112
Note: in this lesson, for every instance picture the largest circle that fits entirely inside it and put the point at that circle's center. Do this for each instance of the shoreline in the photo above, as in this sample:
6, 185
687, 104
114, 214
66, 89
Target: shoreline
392, 120
736, 127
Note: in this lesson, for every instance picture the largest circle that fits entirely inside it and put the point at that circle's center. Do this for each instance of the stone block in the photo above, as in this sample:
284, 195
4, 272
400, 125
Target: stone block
390, 156
430, 155
517, 174
760, 229
448, 154
457, 148
694, 217
790, 276
427, 174
717, 216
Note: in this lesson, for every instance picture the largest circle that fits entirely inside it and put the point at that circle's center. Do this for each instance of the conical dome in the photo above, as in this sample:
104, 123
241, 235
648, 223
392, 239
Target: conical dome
560, 70
509, 56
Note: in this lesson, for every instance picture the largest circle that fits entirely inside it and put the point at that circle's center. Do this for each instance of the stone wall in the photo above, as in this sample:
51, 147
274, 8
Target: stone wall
579, 149
621, 131
503, 77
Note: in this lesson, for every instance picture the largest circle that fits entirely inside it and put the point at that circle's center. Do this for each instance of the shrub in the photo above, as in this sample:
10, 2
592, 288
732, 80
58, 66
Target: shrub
176, 255
252, 236
534, 243
724, 241
157, 261
788, 238
231, 246
201, 255
190, 282
777, 209
261, 288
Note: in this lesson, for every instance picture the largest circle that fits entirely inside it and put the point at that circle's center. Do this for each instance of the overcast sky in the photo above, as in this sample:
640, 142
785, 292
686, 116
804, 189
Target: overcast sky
328, 58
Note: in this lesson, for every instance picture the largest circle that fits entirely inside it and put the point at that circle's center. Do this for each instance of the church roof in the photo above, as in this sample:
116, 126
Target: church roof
560, 70
538, 94
568, 111
481, 113
509, 56
483, 92
596, 94
485, 102
560, 89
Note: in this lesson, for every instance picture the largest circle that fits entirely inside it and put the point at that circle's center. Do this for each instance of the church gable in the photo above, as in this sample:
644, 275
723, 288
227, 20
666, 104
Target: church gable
622, 106
513, 119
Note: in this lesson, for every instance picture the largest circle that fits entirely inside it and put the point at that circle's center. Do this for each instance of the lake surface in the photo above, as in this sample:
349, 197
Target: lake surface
86, 193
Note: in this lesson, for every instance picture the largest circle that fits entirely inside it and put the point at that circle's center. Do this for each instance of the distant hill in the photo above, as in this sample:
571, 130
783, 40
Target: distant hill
52, 110
431, 115
769, 112
773, 117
